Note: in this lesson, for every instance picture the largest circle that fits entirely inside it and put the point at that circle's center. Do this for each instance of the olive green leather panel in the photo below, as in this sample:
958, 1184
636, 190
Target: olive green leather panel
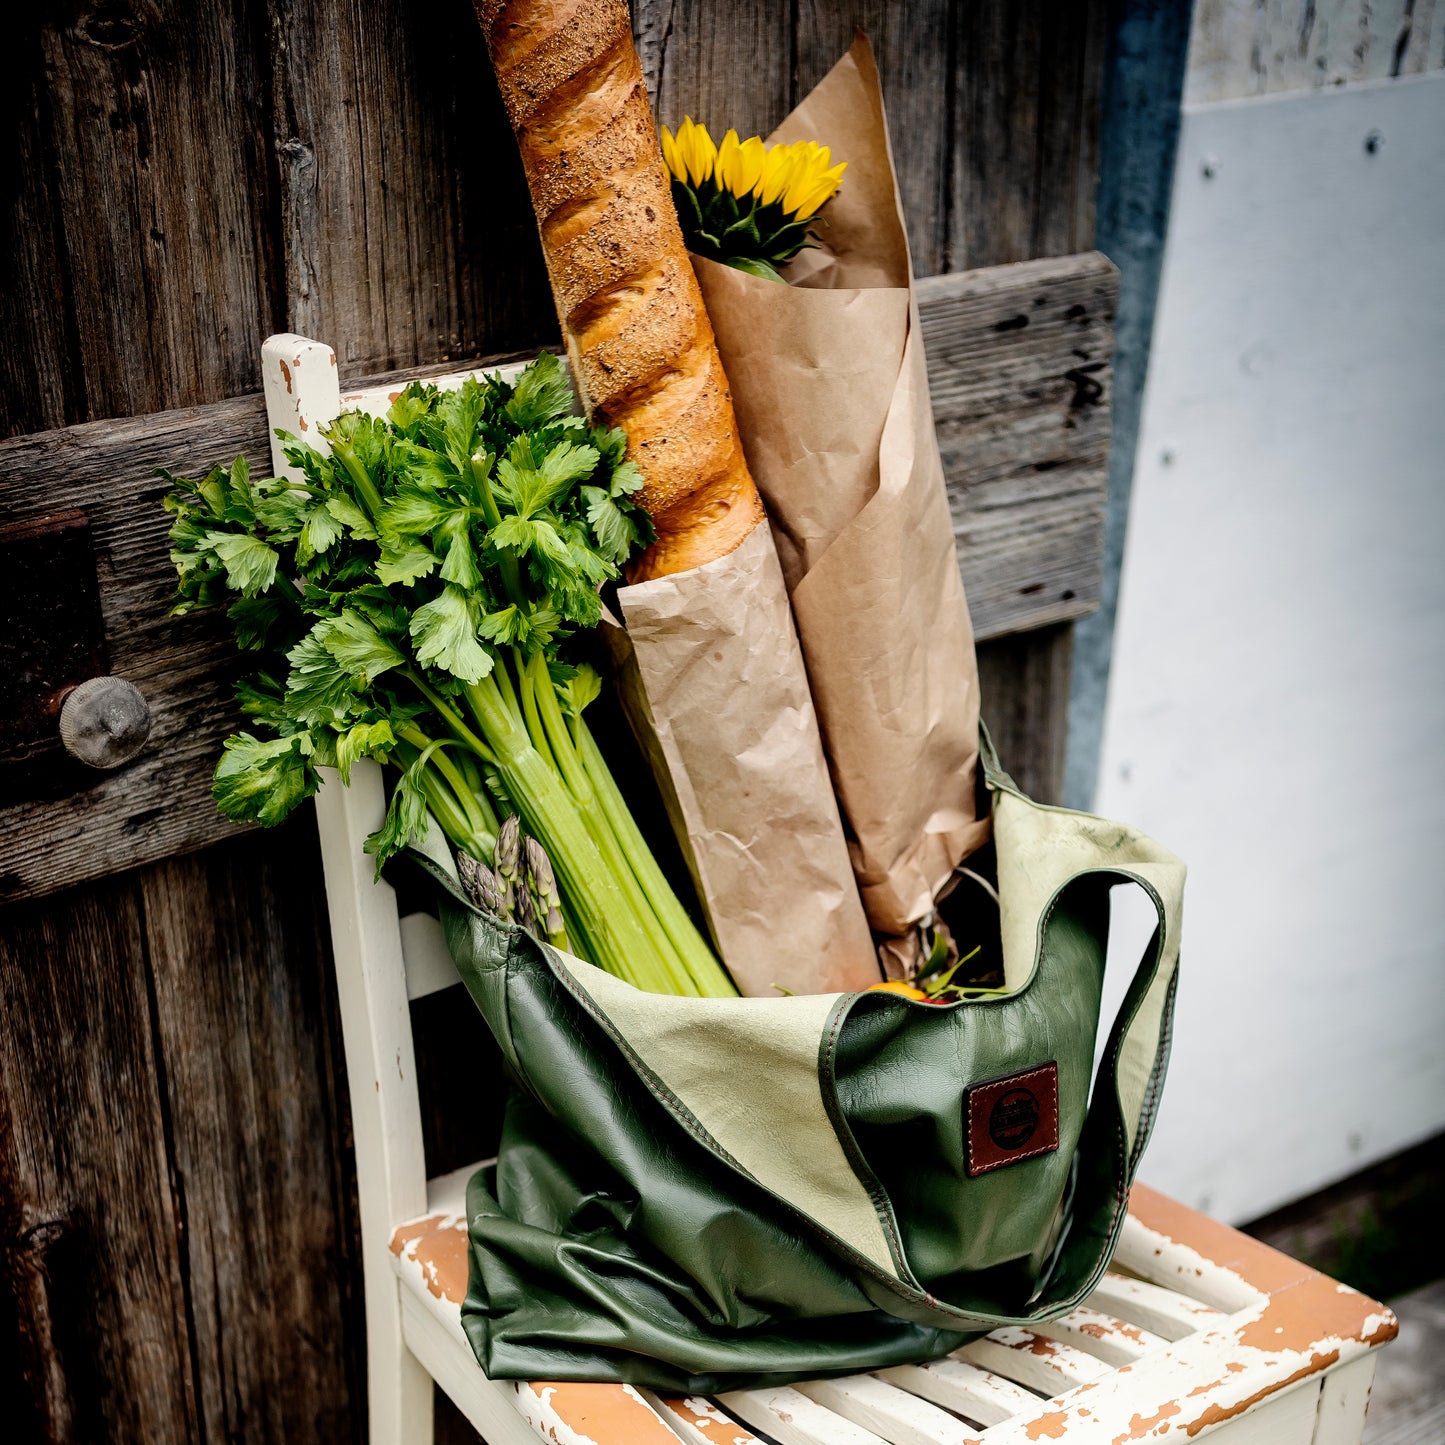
754, 1088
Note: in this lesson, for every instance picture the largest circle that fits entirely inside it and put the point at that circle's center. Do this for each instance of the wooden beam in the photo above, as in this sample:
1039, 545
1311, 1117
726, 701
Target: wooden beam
1019, 370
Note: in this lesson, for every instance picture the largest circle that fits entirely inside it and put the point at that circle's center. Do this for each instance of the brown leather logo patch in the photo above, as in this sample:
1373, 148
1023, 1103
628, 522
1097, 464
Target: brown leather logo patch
1013, 1118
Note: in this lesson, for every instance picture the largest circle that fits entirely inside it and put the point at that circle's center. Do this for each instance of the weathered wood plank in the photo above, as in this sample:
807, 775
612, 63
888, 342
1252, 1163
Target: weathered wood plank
180, 182
408, 236
1027, 80
724, 65
1241, 48
255, 1080
914, 48
1023, 686
128, 113
91, 1218
158, 804
1018, 365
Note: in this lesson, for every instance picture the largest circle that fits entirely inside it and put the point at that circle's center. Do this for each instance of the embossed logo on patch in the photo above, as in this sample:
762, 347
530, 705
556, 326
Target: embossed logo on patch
1013, 1118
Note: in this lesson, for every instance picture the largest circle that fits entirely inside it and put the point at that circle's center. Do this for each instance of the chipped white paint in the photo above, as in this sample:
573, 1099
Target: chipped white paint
1164, 1312
408, 1260
302, 391
791, 1418
1192, 1373
956, 1385
1107, 1338
433, 1332
697, 1420
900, 1418
1031, 1359
1176, 1266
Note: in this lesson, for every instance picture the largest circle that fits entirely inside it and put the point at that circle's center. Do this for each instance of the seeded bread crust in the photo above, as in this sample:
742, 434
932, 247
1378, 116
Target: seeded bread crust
631, 312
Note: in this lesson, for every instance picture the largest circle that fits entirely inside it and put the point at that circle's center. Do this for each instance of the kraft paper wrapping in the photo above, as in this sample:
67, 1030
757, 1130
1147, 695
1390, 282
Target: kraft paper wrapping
831, 390
712, 679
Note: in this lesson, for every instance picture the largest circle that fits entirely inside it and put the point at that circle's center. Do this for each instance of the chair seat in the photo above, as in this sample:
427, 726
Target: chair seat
431, 1253
1197, 1330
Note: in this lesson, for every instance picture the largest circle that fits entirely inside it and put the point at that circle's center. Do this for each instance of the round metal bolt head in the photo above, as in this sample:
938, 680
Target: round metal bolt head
104, 722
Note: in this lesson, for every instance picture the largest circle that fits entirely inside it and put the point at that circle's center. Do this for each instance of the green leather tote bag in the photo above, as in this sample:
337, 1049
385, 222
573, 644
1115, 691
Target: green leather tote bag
709, 1194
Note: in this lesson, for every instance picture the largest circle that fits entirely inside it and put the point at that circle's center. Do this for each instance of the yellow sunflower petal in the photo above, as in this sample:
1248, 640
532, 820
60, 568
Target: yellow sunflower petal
752, 157
726, 170
777, 172
670, 157
813, 184
697, 151
801, 184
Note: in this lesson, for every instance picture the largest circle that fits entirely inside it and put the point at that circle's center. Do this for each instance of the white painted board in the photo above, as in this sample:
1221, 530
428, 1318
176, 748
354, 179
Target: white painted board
1277, 700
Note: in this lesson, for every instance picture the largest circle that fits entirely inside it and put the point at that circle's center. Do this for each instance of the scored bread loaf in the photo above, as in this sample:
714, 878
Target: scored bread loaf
632, 315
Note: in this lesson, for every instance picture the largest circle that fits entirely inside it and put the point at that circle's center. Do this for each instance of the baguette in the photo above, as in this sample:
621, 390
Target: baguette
632, 315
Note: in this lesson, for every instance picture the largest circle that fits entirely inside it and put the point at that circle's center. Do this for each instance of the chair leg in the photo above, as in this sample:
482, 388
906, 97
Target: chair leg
399, 1390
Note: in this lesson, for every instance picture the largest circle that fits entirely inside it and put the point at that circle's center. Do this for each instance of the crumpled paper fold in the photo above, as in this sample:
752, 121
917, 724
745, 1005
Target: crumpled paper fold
712, 680
831, 391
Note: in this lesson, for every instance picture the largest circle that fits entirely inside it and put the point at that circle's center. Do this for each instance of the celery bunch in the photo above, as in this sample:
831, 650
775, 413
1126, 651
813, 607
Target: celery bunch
413, 599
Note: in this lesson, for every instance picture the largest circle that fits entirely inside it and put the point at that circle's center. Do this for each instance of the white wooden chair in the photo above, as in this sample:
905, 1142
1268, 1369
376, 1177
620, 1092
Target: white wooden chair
1197, 1331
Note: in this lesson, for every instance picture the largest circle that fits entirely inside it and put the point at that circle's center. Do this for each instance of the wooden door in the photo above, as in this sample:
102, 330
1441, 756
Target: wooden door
177, 1216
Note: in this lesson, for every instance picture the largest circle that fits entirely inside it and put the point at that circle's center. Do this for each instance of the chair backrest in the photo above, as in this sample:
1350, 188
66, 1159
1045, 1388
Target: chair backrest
383, 961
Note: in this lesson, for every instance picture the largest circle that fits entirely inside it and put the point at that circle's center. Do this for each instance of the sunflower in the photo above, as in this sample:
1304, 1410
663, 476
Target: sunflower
744, 203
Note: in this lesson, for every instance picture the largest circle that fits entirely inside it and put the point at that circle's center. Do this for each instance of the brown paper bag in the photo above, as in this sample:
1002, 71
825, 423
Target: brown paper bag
712, 680
831, 390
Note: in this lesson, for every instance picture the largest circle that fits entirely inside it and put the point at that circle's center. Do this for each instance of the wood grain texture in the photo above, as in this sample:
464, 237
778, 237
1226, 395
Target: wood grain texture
1025, 149
993, 107
407, 235
724, 65
91, 1214
255, 1083
915, 52
1241, 47
158, 804
1019, 369
1023, 686
125, 114
1018, 366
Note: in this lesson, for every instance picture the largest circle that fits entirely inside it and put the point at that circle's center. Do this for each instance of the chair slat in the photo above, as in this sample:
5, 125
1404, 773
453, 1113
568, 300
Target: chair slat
377, 400
894, 1414
956, 1385
582, 1414
1031, 1359
1165, 1312
1107, 1338
700, 1421
1181, 1268
791, 1418
429, 966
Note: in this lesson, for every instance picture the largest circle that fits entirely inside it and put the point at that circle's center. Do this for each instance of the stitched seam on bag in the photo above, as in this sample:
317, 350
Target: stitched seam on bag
882, 1207
1156, 1080
975, 1119
1129, 1159
1121, 1187
683, 1115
